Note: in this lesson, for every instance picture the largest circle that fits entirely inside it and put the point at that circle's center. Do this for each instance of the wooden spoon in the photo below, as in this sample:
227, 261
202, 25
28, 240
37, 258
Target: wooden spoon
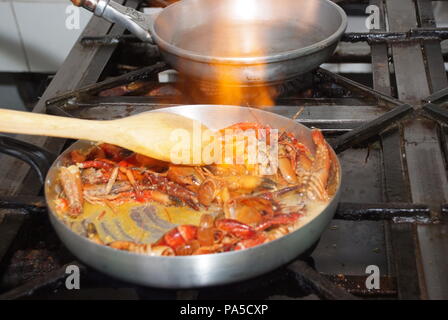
153, 134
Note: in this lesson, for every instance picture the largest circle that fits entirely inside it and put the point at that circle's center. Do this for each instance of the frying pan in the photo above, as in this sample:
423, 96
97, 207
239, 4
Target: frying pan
248, 42
200, 270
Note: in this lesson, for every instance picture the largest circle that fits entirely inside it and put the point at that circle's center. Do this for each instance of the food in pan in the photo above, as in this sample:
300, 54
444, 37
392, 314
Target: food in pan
233, 206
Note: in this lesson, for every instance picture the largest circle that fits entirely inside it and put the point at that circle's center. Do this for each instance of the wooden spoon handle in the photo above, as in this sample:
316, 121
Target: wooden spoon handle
47, 125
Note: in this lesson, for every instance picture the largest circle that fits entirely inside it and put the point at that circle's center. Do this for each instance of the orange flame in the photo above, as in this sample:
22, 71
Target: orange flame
240, 39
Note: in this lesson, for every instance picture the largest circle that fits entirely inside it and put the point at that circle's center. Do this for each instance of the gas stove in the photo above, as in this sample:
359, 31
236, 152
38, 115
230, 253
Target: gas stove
391, 141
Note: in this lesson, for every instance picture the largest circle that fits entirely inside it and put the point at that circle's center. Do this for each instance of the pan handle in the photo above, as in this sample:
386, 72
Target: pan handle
39, 159
136, 22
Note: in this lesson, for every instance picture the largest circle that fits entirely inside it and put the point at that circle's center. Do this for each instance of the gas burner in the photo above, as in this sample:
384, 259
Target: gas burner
142, 90
245, 95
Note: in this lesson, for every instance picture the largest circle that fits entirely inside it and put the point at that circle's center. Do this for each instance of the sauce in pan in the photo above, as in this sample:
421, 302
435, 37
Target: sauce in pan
133, 203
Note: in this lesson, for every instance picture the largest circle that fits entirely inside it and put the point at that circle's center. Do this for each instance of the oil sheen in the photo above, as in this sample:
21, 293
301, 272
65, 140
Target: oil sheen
247, 40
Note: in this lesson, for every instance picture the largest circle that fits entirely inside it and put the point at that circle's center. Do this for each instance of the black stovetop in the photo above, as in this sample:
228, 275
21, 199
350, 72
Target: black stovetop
391, 143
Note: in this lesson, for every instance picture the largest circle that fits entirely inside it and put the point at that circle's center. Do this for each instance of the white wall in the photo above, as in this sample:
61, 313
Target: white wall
34, 36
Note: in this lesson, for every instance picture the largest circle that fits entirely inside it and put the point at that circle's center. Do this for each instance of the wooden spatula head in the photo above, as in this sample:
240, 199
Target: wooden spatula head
164, 136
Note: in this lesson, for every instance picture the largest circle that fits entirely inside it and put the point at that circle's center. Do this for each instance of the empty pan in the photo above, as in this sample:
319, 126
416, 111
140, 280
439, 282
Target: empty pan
248, 42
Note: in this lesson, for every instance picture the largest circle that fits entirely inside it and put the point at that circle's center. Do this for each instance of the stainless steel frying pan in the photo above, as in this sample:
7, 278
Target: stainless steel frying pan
203, 270
247, 42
